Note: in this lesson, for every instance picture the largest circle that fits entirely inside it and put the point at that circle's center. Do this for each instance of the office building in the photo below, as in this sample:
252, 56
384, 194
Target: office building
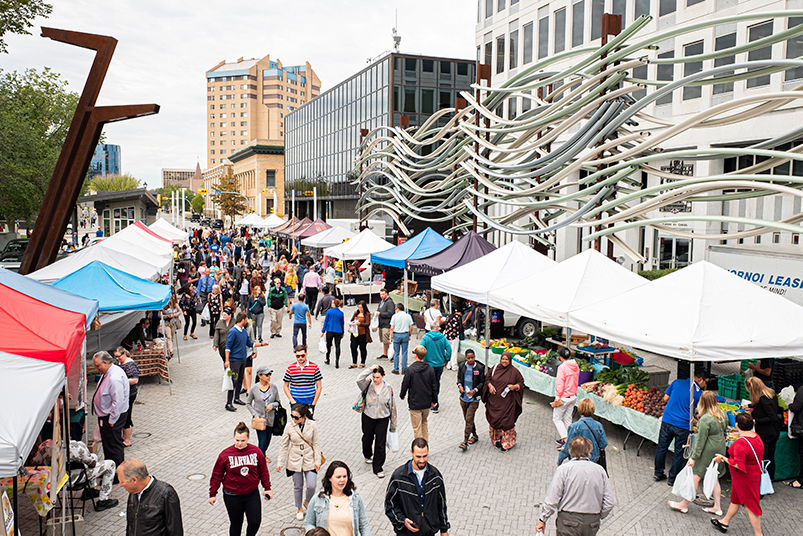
323, 136
105, 161
513, 35
177, 177
247, 101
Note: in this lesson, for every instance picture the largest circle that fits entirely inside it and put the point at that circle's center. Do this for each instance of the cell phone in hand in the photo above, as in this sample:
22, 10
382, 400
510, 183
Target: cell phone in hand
267, 497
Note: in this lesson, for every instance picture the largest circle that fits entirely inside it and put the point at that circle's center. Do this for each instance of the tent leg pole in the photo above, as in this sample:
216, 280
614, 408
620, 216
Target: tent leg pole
406, 304
14, 505
487, 332
67, 458
691, 396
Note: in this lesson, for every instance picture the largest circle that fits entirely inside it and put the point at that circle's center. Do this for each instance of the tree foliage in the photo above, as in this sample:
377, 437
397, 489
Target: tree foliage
198, 203
166, 192
16, 16
229, 204
113, 183
35, 114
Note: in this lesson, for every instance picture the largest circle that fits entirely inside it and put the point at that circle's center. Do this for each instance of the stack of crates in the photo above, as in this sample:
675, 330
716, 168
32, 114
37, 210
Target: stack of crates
745, 362
732, 387
786, 372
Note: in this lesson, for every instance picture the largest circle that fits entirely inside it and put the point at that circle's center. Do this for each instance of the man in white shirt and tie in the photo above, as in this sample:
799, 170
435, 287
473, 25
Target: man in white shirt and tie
110, 403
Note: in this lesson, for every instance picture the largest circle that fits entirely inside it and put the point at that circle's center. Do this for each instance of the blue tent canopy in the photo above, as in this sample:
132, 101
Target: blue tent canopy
424, 244
114, 289
47, 294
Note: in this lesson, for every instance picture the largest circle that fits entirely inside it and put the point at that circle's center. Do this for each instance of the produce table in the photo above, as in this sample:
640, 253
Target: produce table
359, 290
414, 304
36, 485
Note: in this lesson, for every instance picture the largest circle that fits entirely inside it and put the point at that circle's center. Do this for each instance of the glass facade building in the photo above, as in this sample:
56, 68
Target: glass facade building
105, 161
322, 137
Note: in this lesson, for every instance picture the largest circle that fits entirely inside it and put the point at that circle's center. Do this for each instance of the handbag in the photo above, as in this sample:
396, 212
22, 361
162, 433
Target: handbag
359, 405
603, 459
766, 481
304, 439
258, 423
279, 421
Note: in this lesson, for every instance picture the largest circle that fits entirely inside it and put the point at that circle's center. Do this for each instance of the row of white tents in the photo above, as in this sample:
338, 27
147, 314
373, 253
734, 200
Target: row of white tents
699, 313
253, 220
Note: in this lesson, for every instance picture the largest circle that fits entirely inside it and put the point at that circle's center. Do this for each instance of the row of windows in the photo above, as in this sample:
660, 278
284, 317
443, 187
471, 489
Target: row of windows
665, 7
223, 106
231, 78
233, 132
421, 100
223, 116
223, 125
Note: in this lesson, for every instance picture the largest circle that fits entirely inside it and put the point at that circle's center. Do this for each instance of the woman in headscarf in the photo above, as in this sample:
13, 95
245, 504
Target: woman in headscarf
502, 394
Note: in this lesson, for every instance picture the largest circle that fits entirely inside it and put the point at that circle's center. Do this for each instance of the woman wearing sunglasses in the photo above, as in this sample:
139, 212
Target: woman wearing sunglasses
301, 450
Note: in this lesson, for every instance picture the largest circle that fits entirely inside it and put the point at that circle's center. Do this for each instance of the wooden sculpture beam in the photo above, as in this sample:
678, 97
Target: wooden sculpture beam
76, 153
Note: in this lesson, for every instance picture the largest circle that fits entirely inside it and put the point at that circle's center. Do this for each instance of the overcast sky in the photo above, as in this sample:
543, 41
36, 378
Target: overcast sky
165, 48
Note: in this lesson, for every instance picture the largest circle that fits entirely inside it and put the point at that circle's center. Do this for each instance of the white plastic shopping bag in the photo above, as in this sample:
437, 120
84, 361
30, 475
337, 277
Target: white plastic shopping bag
375, 323
393, 441
684, 484
322, 345
205, 313
710, 479
228, 385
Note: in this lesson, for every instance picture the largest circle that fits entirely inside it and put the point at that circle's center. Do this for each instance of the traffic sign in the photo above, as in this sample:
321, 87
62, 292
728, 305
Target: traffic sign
202, 190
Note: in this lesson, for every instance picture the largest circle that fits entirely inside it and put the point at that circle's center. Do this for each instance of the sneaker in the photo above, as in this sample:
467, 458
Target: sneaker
660, 477
380, 474
436, 409
369, 461
382, 357
105, 505
300, 516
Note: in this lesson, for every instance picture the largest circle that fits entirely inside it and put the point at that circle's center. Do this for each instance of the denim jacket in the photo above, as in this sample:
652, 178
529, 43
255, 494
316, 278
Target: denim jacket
318, 514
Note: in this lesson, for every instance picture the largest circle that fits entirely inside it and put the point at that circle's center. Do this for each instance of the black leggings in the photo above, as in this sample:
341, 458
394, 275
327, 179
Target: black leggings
190, 315
236, 506
213, 318
127, 418
333, 338
360, 341
769, 454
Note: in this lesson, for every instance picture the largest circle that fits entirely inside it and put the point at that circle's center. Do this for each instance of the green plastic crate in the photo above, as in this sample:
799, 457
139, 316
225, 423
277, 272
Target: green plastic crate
731, 386
745, 362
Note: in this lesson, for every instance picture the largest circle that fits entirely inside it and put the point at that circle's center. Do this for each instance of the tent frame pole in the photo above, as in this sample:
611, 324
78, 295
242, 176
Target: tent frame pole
487, 330
406, 299
66, 437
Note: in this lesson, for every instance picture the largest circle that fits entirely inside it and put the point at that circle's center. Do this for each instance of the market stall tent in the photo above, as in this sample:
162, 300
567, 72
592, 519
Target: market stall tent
314, 228
115, 290
426, 243
469, 248
285, 225
48, 294
331, 237
359, 247
141, 242
699, 313
36, 329
510, 263
295, 229
249, 220
75, 261
270, 222
28, 391
552, 294
165, 229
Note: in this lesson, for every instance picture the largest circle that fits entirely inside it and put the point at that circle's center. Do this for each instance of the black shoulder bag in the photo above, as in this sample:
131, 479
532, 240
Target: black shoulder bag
603, 461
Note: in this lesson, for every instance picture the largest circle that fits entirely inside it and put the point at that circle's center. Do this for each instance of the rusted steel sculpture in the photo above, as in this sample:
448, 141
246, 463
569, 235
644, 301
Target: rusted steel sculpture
79, 146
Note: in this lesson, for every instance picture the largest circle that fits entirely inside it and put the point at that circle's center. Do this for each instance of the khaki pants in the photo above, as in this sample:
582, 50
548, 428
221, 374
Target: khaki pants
275, 321
469, 409
170, 333
418, 418
575, 524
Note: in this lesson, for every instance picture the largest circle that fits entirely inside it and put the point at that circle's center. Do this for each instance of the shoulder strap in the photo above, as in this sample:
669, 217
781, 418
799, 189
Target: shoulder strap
304, 439
592, 433
754, 454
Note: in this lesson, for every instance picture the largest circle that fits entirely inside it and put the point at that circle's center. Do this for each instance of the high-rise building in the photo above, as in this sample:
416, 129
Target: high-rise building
178, 177
323, 136
105, 161
247, 101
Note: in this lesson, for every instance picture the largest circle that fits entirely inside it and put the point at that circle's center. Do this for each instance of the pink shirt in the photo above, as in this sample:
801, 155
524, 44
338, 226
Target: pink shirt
312, 280
568, 375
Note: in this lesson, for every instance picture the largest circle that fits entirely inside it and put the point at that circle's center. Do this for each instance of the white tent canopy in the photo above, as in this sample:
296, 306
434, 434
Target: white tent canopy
552, 294
270, 222
328, 238
141, 244
249, 220
359, 247
699, 313
164, 228
28, 391
79, 259
510, 263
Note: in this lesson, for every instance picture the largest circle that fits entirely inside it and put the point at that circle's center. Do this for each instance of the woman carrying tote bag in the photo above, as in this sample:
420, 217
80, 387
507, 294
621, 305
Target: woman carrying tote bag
262, 402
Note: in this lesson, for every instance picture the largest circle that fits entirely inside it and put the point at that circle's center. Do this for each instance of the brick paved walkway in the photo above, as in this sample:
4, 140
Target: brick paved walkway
489, 492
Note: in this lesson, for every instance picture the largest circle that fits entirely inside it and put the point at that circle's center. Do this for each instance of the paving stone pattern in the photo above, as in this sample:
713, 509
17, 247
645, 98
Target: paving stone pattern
489, 492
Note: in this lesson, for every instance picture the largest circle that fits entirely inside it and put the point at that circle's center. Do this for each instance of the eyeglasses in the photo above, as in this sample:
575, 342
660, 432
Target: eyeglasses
296, 417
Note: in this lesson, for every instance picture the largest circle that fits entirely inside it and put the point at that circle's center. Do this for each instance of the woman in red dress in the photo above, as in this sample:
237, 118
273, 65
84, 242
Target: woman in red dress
745, 455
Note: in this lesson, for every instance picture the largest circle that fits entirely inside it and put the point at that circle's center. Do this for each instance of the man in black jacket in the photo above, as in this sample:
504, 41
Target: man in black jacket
470, 379
385, 311
153, 506
415, 502
422, 384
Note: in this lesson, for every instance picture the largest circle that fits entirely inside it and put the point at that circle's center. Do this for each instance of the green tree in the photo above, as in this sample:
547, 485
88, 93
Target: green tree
198, 203
113, 183
35, 114
16, 16
229, 204
166, 191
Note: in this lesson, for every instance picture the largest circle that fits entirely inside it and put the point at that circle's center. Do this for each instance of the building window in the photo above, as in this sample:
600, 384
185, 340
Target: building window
721, 43
578, 23
243, 105
427, 66
693, 67
560, 30
409, 100
243, 114
489, 54
764, 53
776, 238
642, 8
211, 116
427, 101
232, 132
501, 5
694, 2
223, 116
620, 8
597, 9
212, 142
243, 142
212, 151
212, 134
222, 133
514, 49
640, 73
445, 100
243, 123
211, 125
527, 54
222, 106
489, 8
794, 49
213, 160
211, 106
223, 151
543, 37
210, 97
500, 54
665, 7
664, 74
270, 178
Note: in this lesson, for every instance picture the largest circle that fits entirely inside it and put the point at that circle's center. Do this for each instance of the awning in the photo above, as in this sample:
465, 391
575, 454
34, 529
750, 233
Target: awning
314, 228
331, 237
110, 257
165, 229
359, 247
469, 248
424, 244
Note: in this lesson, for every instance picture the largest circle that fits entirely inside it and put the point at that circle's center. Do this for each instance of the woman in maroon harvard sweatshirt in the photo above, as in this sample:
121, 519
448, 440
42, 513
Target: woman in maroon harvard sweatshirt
240, 468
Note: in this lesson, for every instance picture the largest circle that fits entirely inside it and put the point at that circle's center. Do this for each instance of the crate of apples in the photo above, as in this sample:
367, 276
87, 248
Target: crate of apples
634, 398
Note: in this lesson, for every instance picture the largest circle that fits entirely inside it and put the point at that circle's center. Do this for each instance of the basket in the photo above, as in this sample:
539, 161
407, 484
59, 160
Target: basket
498, 350
732, 387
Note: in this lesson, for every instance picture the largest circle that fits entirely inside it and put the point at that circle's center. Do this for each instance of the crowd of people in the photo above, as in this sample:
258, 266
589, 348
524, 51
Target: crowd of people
237, 283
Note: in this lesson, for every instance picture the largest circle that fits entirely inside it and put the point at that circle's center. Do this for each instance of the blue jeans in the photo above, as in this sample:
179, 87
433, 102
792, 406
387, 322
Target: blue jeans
667, 434
303, 329
401, 341
263, 439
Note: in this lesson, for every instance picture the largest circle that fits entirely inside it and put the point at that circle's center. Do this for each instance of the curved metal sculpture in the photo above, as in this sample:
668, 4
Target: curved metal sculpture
586, 119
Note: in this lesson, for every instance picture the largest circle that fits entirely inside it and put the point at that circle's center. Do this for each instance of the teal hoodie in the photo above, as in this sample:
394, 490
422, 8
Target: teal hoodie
438, 349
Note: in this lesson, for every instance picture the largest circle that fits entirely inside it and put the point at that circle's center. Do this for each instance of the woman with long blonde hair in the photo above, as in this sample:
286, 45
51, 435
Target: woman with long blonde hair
712, 433
764, 402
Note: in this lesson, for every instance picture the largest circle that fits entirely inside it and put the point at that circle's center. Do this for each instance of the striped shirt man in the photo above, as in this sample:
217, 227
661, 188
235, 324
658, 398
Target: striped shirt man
302, 380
